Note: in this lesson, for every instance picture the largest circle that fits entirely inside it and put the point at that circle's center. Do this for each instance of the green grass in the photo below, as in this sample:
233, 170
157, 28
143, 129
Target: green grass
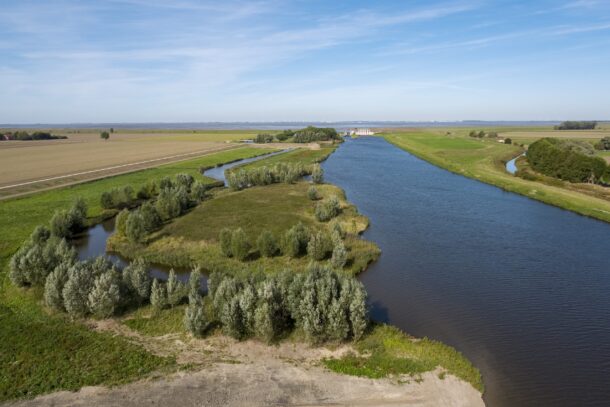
192, 238
151, 322
41, 352
387, 352
302, 155
487, 164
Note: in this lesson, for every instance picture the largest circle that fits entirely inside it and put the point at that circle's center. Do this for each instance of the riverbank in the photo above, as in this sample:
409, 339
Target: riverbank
485, 160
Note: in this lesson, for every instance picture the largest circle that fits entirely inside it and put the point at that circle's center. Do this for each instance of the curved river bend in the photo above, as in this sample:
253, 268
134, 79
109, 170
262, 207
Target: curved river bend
520, 287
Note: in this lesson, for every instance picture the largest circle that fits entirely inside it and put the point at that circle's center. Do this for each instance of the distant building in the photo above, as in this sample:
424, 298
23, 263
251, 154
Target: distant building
361, 132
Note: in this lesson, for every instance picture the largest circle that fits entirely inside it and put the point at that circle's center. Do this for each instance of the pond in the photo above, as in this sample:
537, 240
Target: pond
520, 287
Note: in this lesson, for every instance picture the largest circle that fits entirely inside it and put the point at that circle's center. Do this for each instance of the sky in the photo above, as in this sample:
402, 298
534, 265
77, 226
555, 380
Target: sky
64, 61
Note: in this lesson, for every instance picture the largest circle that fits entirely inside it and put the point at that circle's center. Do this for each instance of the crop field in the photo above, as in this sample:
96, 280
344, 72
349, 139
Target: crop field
27, 166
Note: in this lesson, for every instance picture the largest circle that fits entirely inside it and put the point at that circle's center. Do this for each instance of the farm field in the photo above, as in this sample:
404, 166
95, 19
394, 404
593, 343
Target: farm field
485, 160
84, 156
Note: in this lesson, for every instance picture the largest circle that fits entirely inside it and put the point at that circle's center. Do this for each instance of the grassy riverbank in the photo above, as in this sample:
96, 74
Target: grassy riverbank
43, 352
484, 160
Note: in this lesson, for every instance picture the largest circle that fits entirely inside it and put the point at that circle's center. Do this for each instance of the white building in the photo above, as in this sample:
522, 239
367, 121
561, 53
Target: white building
361, 132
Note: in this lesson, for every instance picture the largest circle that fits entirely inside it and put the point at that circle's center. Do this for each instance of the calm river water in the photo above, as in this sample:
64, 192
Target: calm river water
521, 288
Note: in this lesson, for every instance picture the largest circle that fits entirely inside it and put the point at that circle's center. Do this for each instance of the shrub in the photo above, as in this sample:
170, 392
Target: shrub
105, 296
508, 140
148, 190
151, 220
317, 174
168, 205
33, 262
104, 135
312, 193
40, 235
194, 287
266, 243
263, 138
225, 242
603, 144
232, 319
81, 278
240, 247
186, 180
296, 240
326, 210
158, 295
121, 222
198, 191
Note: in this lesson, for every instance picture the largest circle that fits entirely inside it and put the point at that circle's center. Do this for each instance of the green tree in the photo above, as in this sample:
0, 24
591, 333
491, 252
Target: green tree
54, 286
135, 229
357, 310
195, 320
104, 135
317, 174
225, 242
240, 247
137, 279
175, 289
121, 222
312, 193
232, 319
339, 256
266, 244
158, 295
105, 296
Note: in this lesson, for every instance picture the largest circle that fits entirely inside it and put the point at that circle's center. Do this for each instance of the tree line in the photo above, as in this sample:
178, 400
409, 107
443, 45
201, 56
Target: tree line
577, 125
24, 135
288, 173
323, 304
569, 160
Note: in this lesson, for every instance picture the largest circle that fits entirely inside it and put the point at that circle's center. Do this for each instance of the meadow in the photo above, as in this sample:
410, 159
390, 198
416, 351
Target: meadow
44, 352
485, 159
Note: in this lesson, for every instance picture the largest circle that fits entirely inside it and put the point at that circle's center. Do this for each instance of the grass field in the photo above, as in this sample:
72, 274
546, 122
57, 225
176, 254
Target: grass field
387, 352
192, 238
485, 160
42, 352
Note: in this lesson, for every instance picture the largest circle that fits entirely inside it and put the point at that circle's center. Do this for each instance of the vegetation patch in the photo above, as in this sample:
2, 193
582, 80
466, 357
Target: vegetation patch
153, 322
387, 352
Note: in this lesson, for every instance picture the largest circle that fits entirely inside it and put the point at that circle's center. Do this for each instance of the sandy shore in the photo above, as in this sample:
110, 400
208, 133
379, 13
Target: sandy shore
249, 373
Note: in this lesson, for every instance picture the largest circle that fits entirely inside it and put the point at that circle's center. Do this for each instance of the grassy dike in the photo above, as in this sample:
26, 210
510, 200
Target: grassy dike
484, 160
42, 352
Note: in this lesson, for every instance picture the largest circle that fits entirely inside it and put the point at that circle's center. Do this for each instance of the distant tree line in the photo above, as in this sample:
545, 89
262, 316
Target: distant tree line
577, 125
483, 133
312, 133
573, 161
24, 135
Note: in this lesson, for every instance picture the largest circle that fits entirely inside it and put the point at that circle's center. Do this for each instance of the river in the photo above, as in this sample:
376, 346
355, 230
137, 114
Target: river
520, 287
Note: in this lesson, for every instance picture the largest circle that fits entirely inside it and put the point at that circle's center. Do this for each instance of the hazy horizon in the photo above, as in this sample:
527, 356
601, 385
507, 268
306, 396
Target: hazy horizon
286, 61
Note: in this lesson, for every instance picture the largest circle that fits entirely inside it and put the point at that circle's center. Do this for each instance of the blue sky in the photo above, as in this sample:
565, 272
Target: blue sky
186, 60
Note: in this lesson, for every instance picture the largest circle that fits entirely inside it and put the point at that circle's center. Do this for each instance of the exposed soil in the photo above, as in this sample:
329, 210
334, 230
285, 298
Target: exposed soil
249, 373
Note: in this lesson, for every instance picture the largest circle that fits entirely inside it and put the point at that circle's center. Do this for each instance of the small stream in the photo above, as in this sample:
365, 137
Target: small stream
511, 166
93, 243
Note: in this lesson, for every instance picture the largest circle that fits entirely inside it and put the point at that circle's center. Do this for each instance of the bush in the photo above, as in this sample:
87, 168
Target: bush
151, 220
312, 193
135, 228
198, 191
317, 174
295, 241
225, 242
121, 222
168, 205
263, 138
508, 140
54, 286
105, 296
186, 180
137, 280
194, 287
339, 257
81, 279
240, 247
67, 223
603, 144
266, 244
326, 210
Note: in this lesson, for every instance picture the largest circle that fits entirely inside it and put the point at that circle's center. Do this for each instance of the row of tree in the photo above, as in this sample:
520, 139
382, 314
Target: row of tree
323, 304
265, 175
295, 242
24, 135
569, 160
482, 133
312, 133
577, 125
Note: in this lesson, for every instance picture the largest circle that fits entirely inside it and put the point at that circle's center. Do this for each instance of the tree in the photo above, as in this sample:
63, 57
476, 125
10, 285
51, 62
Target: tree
175, 289
112, 130
508, 140
319, 246
76, 290
151, 220
106, 200
195, 321
337, 325
168, 205
225, 242
232, 319
105, 296
104, 135
247, 304
40, 235
317, 174
357, 310
135, 229
158, 295
137, 279
339, 257
195, 286
240, 247
603, 144
326, 210
54, 286
266, 244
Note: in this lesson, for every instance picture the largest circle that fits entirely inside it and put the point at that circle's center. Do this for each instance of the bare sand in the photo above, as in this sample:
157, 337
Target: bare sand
249, 373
